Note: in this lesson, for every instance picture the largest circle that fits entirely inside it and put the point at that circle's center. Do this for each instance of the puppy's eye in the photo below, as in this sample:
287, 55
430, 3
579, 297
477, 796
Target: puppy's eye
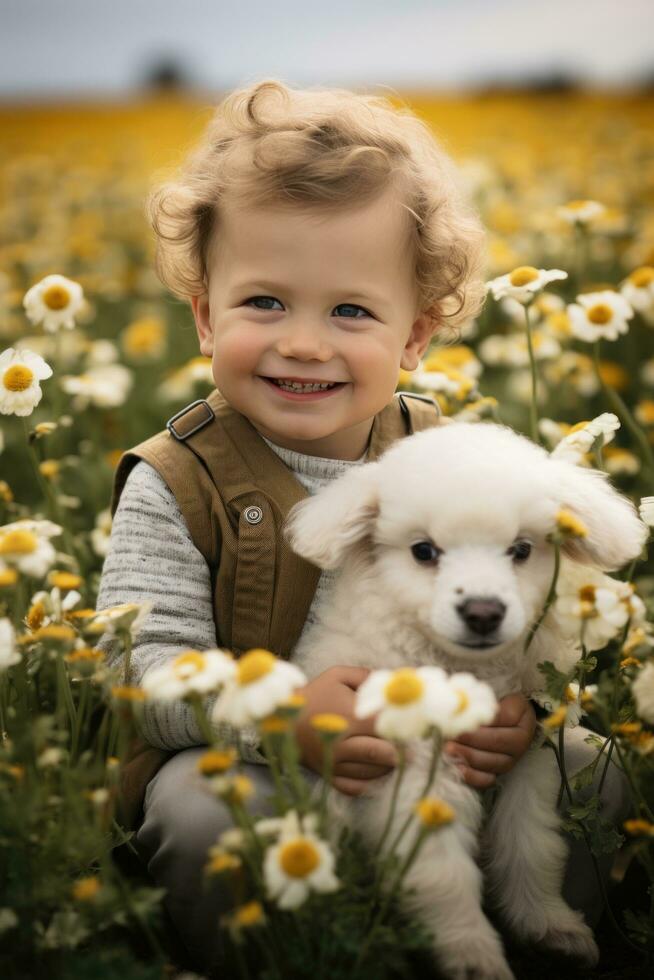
425, 552
520, 551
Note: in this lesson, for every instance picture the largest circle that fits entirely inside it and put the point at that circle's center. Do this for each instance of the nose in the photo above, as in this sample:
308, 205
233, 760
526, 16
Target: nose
481, 615
304, 340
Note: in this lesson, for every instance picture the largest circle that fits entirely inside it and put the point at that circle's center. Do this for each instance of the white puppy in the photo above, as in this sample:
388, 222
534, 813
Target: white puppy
443, 558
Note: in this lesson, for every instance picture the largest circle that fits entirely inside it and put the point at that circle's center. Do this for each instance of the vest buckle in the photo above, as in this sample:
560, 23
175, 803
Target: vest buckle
185, 433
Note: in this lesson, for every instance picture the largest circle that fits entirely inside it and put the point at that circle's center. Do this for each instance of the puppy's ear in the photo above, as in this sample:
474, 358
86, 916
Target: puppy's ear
616, 534
323, 527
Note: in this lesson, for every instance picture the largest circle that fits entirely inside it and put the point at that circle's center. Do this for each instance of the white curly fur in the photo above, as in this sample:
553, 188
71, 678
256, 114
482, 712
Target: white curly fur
472, 490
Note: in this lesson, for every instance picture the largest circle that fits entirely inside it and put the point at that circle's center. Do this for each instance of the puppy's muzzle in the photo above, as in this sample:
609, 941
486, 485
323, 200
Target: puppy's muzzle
483, 617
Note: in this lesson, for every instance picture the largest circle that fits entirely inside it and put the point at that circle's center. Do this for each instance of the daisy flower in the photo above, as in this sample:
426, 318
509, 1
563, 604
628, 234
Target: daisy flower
476, 705
300, 862
259, 684
646, 510
575, 702
24, 545
523, 283
49, 607
586, 595
579, 440
643, 692
54, 301
127, 615
580, 212
409, 701
20, 373
101, 534
638, 290
9, 655
599, 315
191, 672
106, 386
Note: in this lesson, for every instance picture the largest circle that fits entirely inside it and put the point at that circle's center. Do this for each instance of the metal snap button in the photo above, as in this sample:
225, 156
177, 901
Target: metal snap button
253, 515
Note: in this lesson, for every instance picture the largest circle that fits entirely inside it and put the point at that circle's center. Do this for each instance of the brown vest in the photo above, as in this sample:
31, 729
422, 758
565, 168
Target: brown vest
234, 493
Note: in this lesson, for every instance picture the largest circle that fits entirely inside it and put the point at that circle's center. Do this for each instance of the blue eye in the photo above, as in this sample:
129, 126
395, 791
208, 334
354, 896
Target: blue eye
253, 298
351, 306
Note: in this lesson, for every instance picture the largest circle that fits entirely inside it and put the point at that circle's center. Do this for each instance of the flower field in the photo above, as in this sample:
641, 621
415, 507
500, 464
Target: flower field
95, 356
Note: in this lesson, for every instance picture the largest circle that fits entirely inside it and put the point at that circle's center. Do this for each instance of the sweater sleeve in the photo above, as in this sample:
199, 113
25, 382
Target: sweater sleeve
152, 556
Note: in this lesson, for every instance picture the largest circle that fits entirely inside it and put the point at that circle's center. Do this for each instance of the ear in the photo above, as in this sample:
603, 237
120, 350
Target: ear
422, 330
616, 534
201, 315
323, 527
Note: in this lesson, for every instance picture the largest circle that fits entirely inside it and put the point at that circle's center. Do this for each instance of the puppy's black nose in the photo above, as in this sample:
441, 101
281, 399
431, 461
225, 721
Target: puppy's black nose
481, 615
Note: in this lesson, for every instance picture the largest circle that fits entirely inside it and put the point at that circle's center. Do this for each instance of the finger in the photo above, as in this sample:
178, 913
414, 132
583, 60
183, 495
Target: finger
359, 770
352, 676
351, 787
512, 741
480, 780
511, 709
366, 748
495, 762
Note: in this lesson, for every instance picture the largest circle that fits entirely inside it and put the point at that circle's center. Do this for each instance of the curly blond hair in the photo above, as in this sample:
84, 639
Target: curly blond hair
322, 148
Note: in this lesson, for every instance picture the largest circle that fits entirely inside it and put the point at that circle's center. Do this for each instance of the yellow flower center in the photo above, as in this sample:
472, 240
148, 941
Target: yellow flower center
299, 857
464, 702
434, 813
189, 663
86, 888
56, 297
35, 615
642, 277
8, 576
577, 205
404, 687
18, 377
82, 654
18, 542
216, 760
274, 725
330, 723
587, 594
49, 467
126, 693
600, 313
254, 665
55, 631
249, 914
570, 524
65, 580
222, 861
522, 275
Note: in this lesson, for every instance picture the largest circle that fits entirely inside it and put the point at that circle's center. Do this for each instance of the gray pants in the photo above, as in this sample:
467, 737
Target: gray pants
182, 820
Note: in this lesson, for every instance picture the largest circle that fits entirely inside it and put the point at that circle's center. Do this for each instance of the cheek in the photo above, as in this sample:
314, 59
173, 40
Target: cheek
238, 349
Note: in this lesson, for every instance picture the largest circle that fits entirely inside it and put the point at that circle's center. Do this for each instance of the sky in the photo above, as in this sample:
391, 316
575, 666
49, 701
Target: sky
67, 48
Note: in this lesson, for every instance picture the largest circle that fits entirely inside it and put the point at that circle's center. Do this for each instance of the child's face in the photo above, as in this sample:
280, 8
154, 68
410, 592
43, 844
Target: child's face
331, 297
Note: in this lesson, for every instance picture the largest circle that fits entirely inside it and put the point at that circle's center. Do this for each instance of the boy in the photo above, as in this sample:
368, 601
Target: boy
322, 240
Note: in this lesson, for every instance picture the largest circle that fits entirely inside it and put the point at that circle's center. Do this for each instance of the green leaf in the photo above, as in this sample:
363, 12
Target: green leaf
555, 681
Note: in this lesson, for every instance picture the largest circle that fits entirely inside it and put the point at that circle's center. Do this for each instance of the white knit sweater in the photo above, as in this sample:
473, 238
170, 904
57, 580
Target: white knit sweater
152, 557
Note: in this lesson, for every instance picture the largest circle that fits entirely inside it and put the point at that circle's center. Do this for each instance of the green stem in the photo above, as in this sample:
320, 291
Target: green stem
401, 769
533, 410
80, 716
430, 778
201, 717
273, 763
551, 596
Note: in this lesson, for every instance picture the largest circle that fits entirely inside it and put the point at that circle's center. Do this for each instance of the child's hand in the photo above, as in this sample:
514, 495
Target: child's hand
494, 749
360, 754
